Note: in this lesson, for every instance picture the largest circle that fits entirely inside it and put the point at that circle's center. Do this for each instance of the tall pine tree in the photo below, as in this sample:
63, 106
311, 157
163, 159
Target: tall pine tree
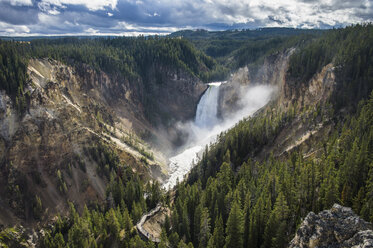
234, 230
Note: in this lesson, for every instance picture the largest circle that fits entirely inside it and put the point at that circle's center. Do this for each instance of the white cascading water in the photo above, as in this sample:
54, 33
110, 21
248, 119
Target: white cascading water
207, 126
207, 109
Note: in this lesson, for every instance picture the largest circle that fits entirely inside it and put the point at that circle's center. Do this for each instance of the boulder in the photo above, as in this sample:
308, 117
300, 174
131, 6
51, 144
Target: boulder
338, 227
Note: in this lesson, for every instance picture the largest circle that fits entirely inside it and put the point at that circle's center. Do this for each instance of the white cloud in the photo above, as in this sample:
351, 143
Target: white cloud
165, 16
91, 31
92, 5
48, 8
127, 27
290, 13
13, 30
19, 2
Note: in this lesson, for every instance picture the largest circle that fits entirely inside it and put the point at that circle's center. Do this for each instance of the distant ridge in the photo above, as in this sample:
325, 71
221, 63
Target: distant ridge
243, 33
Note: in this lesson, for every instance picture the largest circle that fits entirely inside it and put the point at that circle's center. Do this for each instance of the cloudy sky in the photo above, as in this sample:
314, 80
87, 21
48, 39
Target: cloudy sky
133, 17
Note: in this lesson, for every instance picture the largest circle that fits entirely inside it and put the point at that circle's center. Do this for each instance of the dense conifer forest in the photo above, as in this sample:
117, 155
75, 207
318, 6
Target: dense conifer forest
230, 199
260, 204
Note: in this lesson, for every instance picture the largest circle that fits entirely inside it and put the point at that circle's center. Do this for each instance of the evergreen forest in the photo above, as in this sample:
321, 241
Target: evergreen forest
236, 196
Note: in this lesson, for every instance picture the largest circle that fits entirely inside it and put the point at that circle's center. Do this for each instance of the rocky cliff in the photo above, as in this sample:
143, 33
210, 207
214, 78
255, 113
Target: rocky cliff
310, 100
48, 154
271, 72
335, 228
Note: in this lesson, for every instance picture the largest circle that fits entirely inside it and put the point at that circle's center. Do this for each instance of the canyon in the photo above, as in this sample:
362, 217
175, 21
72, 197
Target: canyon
149, 140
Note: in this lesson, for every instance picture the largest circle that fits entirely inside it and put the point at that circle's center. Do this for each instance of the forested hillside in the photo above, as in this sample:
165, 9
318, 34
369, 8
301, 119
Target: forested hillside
13, 76
249, 188
237, 48
232, 198
131, 59
60, 97
259, 204
129, 56
350, 51
99, 225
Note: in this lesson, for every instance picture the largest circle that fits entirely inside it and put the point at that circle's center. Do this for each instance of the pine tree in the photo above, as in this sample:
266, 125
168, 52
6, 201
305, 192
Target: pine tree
234, 230
127, 221
225, 178
79, 235
197, 224
205, 232
182, 244
173, 240
136, 242
112, 223
247, 215
217, 239
276, 226
58, 241
164, 240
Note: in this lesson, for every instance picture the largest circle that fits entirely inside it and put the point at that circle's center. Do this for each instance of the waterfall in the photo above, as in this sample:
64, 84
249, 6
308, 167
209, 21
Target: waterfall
206, 126
207, 109
206, 118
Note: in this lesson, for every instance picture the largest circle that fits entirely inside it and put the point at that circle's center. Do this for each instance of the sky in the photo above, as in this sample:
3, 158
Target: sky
149, 17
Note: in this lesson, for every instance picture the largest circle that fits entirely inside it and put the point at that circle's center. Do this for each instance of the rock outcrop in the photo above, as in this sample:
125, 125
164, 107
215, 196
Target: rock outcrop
338, 227
271, 72
46, 153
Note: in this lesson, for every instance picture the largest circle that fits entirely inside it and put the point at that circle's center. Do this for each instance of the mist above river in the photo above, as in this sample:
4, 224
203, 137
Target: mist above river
207, 126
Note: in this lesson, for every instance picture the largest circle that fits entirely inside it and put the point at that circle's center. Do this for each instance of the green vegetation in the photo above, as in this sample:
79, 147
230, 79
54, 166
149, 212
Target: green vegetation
134, 60
13, 237
234, 49
246, 138
261, 203
61, 182
111, 224
13, 76
131, 57
201, 34
37, 207
350, 51
232, 198
133, 141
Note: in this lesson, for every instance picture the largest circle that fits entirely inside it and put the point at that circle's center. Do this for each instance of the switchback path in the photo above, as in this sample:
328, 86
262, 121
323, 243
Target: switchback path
140, 224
